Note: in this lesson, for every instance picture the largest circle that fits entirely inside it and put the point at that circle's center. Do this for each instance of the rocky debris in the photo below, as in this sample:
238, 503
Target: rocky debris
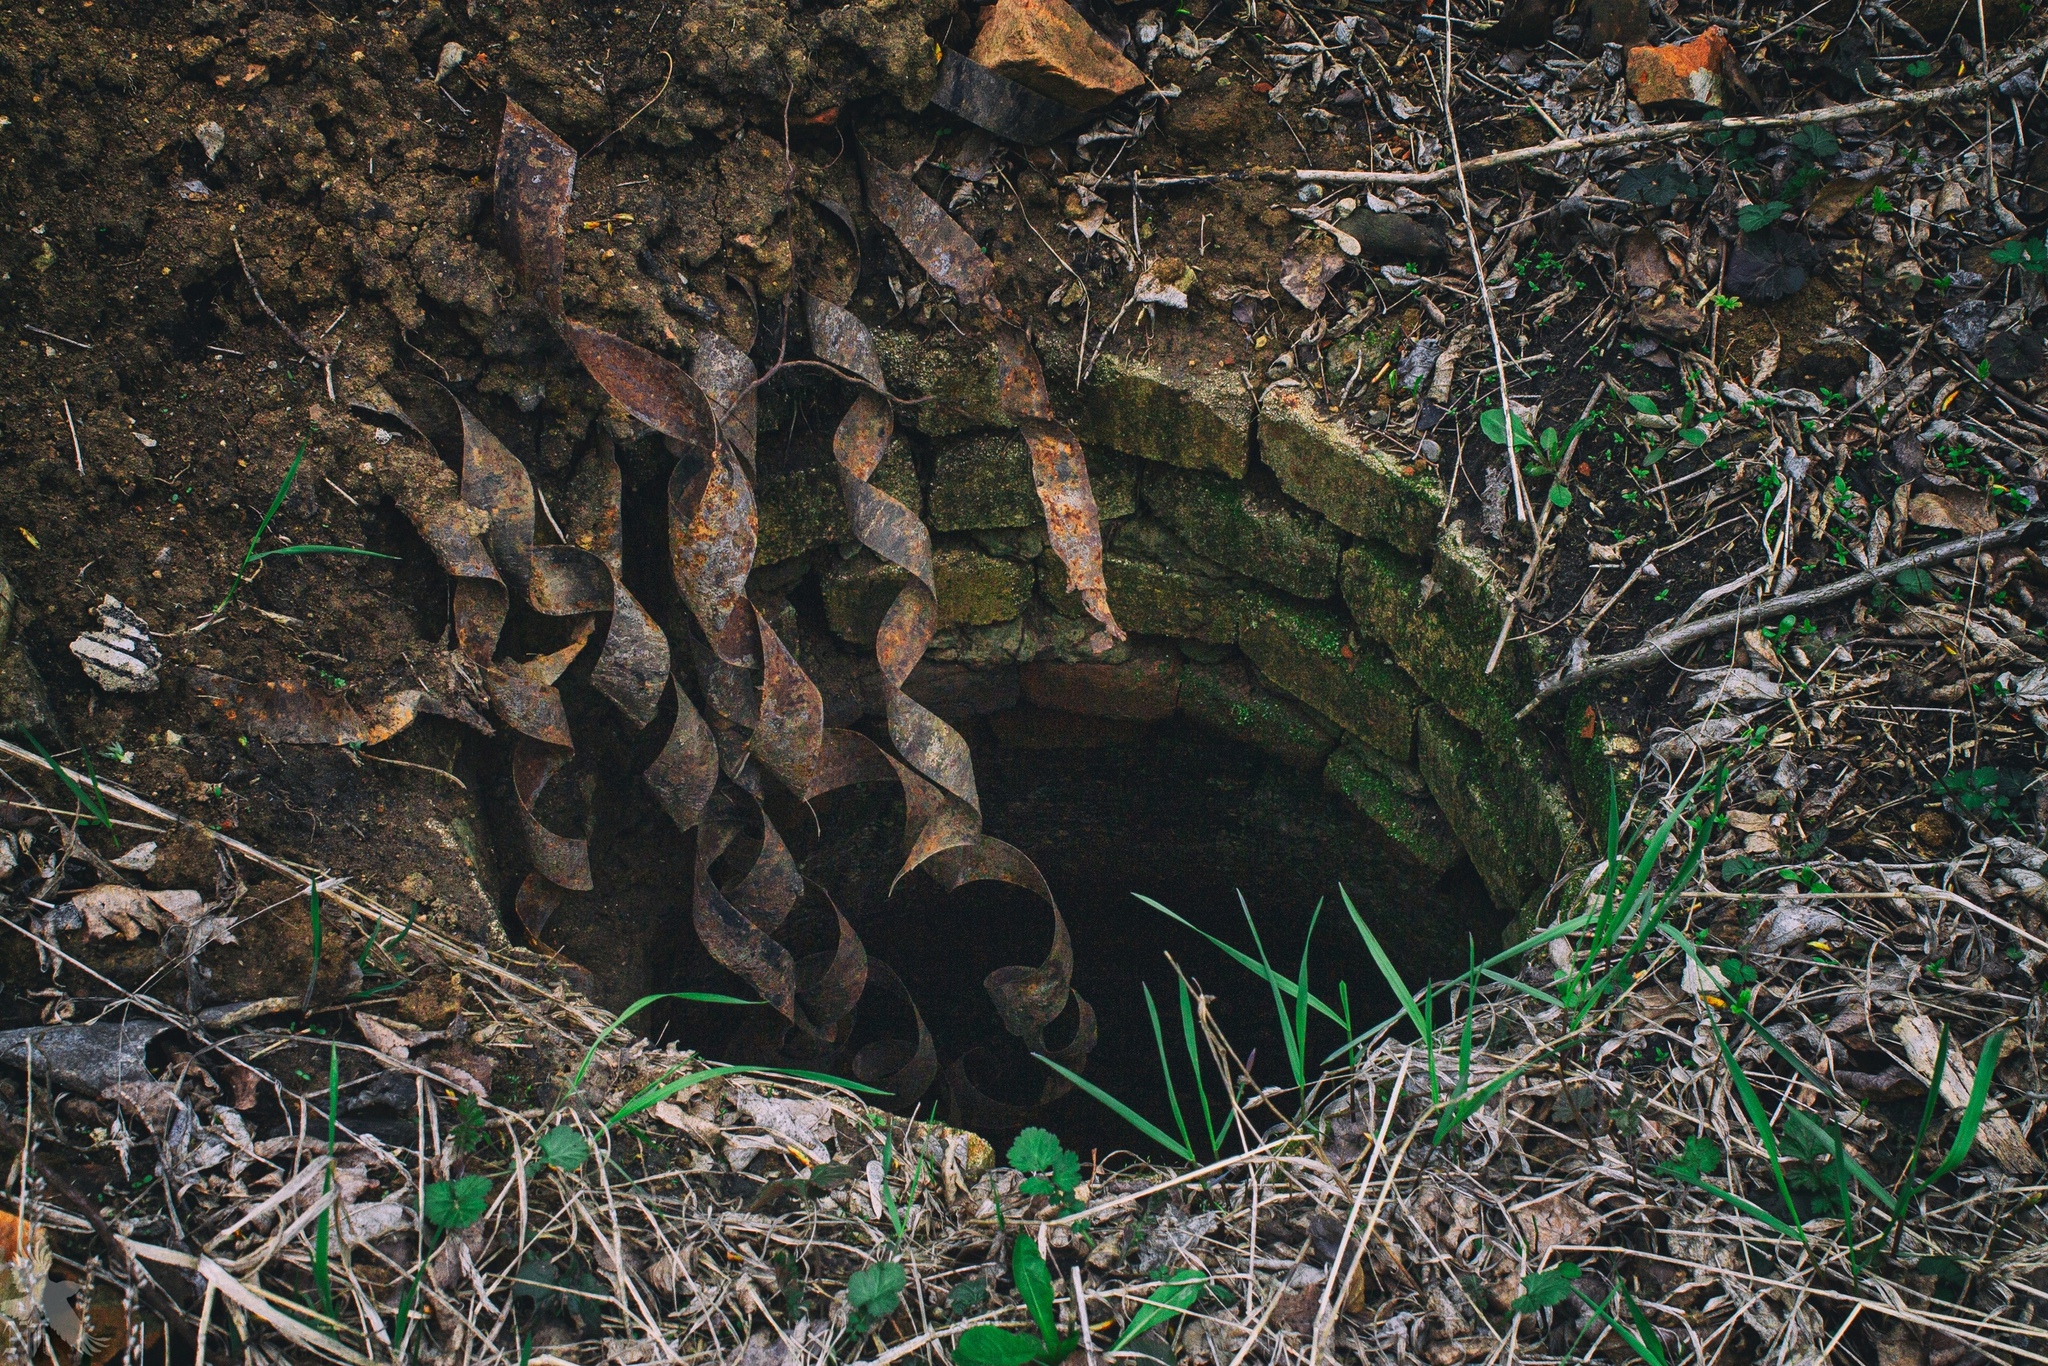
90, 1059
1396, 239
1046, 46
1682, 74
119, 656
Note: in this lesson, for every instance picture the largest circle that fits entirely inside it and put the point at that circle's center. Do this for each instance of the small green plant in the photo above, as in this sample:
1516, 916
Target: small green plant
1655, 186
987, 1345
1880, 202
1554, 1285
2027, 253
472, 1125
1757, 217
454, 1205
1987, 794
561, 1148
873, 1293
1700, 1158
1920, 70
253, 556
1724, 302
1050, 1168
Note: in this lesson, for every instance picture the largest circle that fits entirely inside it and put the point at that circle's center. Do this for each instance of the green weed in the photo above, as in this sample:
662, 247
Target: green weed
252, 555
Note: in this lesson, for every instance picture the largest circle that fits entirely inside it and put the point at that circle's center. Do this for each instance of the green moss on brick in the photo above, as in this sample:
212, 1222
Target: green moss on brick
1440, 627
974, 590
1412, 824
984, 481
804, 509
1228, 698
1308, 652
1512, 819
1170, 409
1248, 528
977, 589
1321, 463
957, 376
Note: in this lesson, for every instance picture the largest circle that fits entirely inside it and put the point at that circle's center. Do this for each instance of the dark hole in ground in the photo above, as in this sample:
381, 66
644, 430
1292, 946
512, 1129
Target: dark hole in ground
1171, 811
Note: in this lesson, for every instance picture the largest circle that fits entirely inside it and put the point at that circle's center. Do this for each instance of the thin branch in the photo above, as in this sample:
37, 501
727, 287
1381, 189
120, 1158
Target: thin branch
1660, 647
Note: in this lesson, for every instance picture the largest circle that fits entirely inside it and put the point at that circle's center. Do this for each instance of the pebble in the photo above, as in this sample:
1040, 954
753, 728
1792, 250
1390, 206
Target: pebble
212, 137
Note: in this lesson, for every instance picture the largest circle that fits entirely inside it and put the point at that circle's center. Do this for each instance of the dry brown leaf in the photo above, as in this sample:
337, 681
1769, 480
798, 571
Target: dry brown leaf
1954, 509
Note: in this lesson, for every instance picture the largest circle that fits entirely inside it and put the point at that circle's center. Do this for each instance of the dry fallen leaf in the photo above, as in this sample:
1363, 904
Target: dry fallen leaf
1954, 509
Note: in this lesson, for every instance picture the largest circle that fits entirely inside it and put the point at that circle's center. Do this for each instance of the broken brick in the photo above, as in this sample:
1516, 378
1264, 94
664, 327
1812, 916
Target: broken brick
1693, 73
1046, 46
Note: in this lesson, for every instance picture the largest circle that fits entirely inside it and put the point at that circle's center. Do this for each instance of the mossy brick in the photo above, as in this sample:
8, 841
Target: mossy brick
1513, 821
1172, 410
1441, 627
977, 589
1413, 825
1311, 653
959, 378
804, 509
1248, 528
974, 590
1320, 462
1153, 599
1227, 698
984, 481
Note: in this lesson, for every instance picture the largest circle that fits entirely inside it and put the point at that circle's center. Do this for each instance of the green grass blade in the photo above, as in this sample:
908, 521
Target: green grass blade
88, 803
1299, 1056
1210, 1128
321, 550
1973, 1113
1166, 1072
1242, 959
322, 1275
1465, 1030
1123, 1111
284, 490
1175, 1297
655, 1095
1756, 1212
1759, 1121
1535, 993
706, 997
1289, 1044
1386, 965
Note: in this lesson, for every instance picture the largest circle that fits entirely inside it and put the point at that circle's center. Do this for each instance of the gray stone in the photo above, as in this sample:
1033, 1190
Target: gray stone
1248, 529
1322, 463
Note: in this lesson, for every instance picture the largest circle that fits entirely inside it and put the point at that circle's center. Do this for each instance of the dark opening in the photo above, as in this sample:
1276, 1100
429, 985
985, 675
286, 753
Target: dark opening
1108, 810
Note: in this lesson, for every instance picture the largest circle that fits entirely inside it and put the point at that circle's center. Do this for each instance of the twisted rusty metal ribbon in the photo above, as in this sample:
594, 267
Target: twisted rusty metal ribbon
758, 702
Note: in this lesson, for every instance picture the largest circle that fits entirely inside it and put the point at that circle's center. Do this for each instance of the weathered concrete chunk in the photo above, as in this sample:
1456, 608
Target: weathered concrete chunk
1044, 45
1145, 687
1441, 626
1248, 528
804, 509
1174, 411
1320, 462
984, 481
1412, 824
1310, 653
1228, 698
1514, 823
974, 590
